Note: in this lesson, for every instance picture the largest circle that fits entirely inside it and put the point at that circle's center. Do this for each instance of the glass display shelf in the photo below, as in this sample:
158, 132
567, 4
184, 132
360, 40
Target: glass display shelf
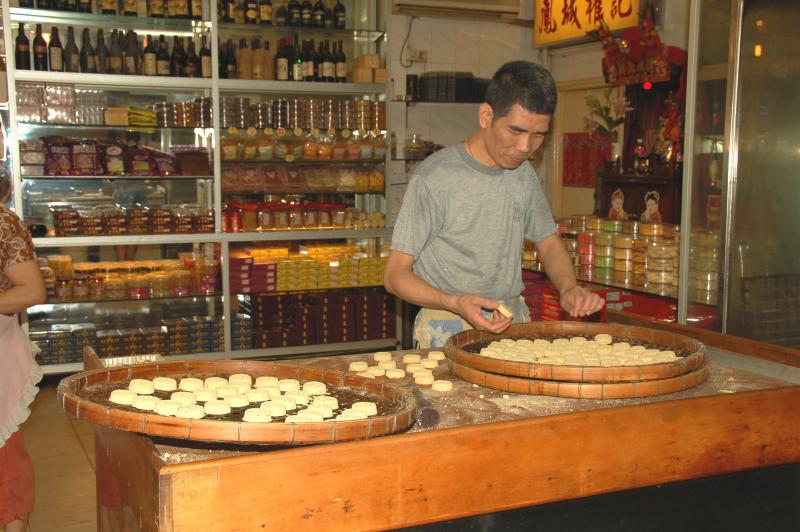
167, 26
144, 83
124, 299
304, 190
229, 29
304, 162
308, 234
85, 127
249, 86
126, 240
113, 177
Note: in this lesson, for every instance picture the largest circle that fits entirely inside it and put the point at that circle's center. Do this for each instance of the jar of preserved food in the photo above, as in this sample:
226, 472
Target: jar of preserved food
63, 289
281, 217
97, 288
207, 271
266, 217
296, 217
116, 287
160, 283
80, 288
249, 212
181, 282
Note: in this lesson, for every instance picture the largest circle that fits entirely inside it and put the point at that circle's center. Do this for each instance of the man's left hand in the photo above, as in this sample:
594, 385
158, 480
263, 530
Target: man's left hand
580, 302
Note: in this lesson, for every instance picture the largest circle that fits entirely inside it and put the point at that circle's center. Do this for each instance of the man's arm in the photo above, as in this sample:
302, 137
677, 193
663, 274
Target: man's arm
27, 288
400, 279
576, 300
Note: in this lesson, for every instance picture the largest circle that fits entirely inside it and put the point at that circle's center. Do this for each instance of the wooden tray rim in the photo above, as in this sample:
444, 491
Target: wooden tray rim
568, 373
237, 431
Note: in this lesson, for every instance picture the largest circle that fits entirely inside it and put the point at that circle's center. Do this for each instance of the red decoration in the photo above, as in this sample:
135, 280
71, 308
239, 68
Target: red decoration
583, 153
638, 56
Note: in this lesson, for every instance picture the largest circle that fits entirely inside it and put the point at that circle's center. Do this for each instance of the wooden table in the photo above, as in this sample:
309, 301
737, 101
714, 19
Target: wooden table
473, 451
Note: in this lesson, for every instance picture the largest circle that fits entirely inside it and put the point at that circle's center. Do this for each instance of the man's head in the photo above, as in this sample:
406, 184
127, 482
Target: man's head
515, 118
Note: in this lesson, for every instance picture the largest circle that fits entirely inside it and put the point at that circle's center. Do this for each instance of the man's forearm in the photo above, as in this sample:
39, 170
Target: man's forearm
558, 265
19, 298
409, 287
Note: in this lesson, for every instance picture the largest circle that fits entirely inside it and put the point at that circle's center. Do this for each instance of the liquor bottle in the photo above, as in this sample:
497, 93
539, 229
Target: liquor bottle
129, 8
297, 63
108, 7
101, 51
340, 64
222, 64
196, 9
88, 57
339, 16
149, 67
230, 11
25, 3
269, 65
257, 60
295, 17
281, 15
85, 6
72, 56
265, 12
177, 60
156, 8
39, 50
231, 62
71, 5
281, 62
327, 18
192, 61
641, 162
58, 5
306, 13
251, 11
114, 54
308, 61
22, 50
205, 60
131, 64
244, 61
327, 65
318, 15
162, 57
180, 9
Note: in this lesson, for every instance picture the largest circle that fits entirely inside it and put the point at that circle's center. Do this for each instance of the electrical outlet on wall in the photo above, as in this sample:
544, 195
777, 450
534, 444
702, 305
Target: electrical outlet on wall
417, 56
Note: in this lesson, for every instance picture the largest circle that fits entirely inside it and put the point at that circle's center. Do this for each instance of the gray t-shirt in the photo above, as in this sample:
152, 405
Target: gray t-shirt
464, 223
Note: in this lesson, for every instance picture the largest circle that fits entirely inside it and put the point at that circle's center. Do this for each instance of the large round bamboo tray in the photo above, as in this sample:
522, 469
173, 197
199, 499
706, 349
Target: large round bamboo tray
74, 396
581, 390
463, 349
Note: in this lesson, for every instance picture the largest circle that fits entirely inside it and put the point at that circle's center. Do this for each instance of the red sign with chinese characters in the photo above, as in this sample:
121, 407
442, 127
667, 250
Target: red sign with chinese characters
583, 154
557, 21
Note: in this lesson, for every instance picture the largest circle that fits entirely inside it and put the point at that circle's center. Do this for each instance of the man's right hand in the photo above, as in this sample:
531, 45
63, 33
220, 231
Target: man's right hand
469, 306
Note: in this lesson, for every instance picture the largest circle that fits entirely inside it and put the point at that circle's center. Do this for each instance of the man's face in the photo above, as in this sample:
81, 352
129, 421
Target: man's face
511, 139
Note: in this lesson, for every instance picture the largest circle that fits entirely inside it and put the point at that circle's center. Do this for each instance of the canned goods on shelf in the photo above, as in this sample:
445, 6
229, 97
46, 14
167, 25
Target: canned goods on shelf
587, 260
623, 242
630, 227
658, 277
638, 267
662, 250
604, 251
623, 265
586, 249
623, 254
593, 223
604, 262
664, 265
605, 239
612, 226
652, 229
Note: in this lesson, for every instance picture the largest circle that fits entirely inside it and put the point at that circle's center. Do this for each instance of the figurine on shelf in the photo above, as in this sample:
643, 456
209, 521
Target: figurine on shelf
651, 213
617, 210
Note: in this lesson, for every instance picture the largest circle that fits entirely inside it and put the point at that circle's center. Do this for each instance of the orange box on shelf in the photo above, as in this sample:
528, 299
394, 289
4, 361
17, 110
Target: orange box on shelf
368, 61
361, 75
380, 75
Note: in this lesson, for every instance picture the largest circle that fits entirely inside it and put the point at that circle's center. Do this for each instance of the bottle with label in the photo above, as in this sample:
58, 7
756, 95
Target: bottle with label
196, 9
251, 11
339, 15
132, 64
269, 65
222, 64
156, 8
257, 67
231, 60
72, 56
180, 8
192, 68
71, 5
295, 16
307, 61
297, 64
84, 6
22, 50
55, 52
150, 57
107, 7
25, 3
281, 15
244, 61
328, 67
228, 10
318, 15
205, 60
265, 12
162, 57
114, 54
101, 51
306, 13
327, 18
129, 8
641, 162
39, 50
177, 61
340, 64
281, 62
58, 5
88, 57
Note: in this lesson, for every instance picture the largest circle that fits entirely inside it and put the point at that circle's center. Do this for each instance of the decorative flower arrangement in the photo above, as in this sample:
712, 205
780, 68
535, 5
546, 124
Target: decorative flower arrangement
606, 116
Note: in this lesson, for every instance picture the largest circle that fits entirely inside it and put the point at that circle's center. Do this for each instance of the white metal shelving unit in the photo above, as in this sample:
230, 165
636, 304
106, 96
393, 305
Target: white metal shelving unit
365, 36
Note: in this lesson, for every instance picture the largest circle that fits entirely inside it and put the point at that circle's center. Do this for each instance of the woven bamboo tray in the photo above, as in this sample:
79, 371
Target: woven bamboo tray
462, 348
581, 390
78, 396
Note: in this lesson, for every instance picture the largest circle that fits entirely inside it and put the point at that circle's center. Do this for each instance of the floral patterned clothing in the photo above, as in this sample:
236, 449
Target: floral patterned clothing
16, 245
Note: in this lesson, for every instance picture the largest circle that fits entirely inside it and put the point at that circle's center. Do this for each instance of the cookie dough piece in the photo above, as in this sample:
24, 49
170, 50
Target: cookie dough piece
366, 374
376, 371
237, 400
323, 411
259, 395
382, 356
266, 381
289, 385
578, 340
429, 363
240, 378
205, 395
350, 416
442, 386
190, 384
387, 364
368, 407
190, 412
300, 397
274, 409
423, 380
326, 400
183, 398
395, 373
272, 391
422, 373
227, 391
141, 386
436, 355
411, 359
411, 368
287, 402
167, 408
256, 415
217, 407
122, 397
212, 383
505, 311
314, 388
165, 384
359, 365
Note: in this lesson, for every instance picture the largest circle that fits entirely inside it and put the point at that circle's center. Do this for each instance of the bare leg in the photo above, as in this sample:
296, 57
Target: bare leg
20, 525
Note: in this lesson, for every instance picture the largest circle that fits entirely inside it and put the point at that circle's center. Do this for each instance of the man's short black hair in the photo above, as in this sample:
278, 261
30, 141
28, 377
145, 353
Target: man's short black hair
521, 82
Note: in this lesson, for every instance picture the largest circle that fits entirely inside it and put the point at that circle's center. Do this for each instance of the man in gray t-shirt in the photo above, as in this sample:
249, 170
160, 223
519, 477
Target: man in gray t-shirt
457, 243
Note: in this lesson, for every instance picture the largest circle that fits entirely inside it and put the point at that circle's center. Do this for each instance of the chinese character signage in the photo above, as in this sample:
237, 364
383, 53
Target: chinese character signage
556, 21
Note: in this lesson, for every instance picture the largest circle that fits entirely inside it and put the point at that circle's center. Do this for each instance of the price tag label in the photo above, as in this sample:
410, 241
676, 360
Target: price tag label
346, 133
269, 131
232, 130
298, 132
251, 131
281, 132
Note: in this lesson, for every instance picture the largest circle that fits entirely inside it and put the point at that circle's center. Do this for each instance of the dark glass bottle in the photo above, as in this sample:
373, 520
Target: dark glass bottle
162, 57
327, 65
156, 8
196, 9
281, 62
85, 6
192, 67
102, 53
223, 61
107, 7
340, 64
251, 11
22, 50
295, 16
129, 8
297, 63
39, 50
231, 62
230, 11
318, 15
72, 56
327, 18
114, 54
150, 59
205, 60
132, 64
25, 3
339, 15
177, 62
55, 52
88, 57
281, 15
306, 13
71, 5
265, 12
308, 61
